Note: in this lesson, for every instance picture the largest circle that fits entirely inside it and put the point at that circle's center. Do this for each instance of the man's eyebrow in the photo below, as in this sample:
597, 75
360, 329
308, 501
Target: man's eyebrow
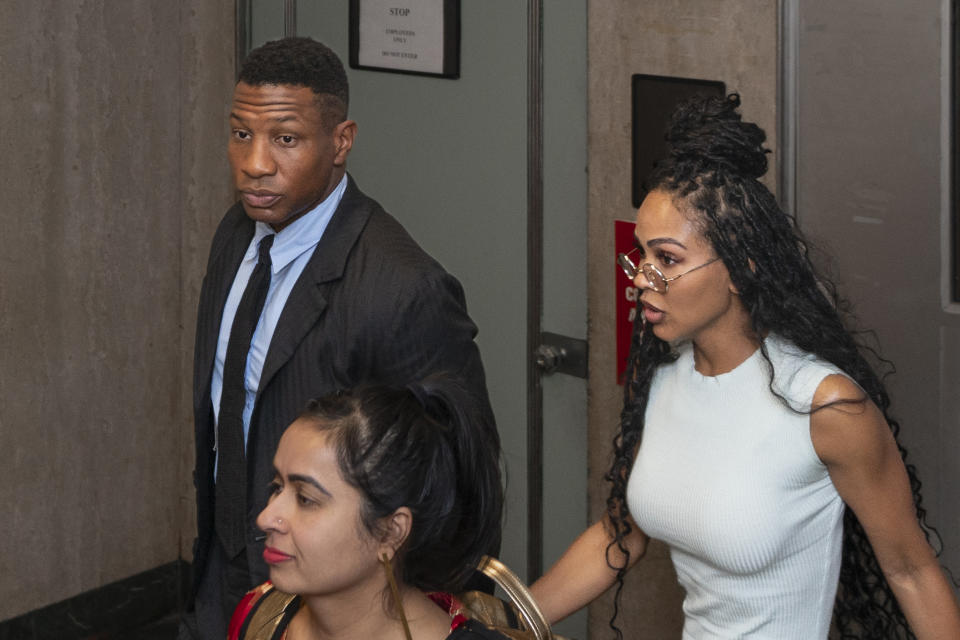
297, 477
282, 118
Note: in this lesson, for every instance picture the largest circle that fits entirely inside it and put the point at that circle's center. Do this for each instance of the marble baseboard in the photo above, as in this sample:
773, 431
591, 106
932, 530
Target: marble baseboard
107, 612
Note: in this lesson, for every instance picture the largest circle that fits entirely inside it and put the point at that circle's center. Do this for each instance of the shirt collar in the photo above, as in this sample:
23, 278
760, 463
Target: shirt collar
302, 234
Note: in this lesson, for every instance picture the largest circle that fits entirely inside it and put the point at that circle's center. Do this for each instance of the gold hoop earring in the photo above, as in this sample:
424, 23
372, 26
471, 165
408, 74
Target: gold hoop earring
391, 579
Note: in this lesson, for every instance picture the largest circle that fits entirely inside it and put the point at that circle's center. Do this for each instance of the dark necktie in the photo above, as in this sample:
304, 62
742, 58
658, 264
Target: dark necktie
230, 502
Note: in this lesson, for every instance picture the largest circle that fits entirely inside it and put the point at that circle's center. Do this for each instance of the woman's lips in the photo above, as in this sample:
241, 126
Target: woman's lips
274, 556
651, 314
260, 199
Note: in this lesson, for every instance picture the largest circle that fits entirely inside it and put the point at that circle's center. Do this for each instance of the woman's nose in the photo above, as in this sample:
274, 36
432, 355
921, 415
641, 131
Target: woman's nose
270, 519
640, 280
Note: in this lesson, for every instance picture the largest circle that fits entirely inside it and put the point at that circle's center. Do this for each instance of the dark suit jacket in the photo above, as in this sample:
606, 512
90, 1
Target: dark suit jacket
371, 306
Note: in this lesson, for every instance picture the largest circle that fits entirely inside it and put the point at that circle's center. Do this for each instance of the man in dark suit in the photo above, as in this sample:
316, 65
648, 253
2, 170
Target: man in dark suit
310, 287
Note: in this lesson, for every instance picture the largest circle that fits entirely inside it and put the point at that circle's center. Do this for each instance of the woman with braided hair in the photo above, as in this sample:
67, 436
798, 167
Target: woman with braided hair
755, 438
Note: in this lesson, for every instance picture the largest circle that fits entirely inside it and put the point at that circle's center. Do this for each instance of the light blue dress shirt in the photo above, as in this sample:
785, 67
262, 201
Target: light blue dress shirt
291, 250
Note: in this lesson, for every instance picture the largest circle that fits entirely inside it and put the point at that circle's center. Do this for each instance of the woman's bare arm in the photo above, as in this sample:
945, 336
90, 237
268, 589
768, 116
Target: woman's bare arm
582, 573
855, 442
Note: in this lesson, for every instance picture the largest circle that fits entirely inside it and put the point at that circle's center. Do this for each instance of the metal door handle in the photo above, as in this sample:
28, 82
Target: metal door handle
549, 357
561, 354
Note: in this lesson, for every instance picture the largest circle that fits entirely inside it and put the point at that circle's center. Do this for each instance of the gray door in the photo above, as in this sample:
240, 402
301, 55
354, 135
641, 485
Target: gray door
452, 159
866, 146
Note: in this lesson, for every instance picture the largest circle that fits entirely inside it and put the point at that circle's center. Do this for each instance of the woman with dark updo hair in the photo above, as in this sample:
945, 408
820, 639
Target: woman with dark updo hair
383, 503
755, 439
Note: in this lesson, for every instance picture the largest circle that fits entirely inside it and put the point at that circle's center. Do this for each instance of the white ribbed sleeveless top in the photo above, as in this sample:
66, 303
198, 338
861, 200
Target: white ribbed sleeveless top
728, 477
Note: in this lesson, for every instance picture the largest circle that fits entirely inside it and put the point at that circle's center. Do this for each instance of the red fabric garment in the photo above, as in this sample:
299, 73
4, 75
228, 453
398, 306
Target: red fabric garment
449, 603
446, 601
243, 609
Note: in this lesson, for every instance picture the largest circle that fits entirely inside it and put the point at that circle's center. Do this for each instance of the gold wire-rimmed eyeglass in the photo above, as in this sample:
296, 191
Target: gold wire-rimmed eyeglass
658, 281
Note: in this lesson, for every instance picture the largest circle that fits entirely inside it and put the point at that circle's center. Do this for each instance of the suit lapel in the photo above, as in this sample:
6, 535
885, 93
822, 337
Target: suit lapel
307, 300
220, 275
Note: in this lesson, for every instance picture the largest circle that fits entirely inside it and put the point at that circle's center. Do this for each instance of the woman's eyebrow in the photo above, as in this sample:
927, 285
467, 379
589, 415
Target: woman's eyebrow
297, 477
655, 242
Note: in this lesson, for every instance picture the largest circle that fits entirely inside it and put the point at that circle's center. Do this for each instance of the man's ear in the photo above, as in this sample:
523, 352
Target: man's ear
343, 135
396, 527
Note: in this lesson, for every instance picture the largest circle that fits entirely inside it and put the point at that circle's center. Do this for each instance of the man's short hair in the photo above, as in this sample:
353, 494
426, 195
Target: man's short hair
302, 62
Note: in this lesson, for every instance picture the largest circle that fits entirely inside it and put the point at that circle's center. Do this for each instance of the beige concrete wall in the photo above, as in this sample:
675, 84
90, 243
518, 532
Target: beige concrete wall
733, 41
207, 77
112, 175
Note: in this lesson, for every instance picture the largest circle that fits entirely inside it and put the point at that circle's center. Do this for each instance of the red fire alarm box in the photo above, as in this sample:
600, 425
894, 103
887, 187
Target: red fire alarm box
626, 295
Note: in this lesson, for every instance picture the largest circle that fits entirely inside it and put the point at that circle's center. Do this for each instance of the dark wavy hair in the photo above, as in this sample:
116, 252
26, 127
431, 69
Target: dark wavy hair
425, 447
301, 62
712, 170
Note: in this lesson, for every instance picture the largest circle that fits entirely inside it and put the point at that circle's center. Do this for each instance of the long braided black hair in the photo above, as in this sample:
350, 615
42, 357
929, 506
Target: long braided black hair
712, 170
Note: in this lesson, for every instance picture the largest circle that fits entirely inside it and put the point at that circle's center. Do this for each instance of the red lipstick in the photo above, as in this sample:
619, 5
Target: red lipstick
275, 556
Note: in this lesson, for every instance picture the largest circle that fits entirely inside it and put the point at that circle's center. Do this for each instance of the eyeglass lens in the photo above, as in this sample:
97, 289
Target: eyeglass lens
627, 265
657, 282
653, 275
